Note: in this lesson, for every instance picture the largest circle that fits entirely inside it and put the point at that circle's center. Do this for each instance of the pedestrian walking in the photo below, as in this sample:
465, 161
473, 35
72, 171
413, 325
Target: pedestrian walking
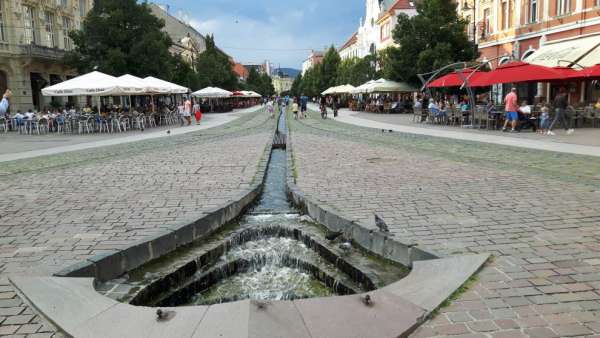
271, 109
323, 107
187, 111
334, 106
4, 103
295, 109
511, 109
197, 113
303, 106
561, 102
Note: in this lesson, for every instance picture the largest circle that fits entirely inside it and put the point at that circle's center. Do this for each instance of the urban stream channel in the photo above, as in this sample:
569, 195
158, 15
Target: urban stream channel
272, 252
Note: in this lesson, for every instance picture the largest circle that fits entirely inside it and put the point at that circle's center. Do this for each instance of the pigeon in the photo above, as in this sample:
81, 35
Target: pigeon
380, 223
164, 315
333, 235
367, 300
168, 132
391, 131
346, 246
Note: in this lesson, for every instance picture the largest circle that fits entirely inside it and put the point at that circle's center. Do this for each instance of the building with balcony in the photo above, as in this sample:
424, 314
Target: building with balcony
547, 32
375, 31
34, 35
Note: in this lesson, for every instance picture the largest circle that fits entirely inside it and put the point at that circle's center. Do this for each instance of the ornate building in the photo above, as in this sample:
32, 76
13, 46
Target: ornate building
375, 30
33, 41
187, 41
547, 32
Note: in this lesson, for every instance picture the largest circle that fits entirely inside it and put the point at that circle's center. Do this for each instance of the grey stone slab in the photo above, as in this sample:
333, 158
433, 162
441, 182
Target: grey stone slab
348, 317
433, 281
228, 320
275, 320
67, 302
125, 320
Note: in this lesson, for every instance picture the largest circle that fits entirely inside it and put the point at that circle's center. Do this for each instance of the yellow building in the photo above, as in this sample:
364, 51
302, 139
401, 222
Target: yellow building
282, 83
33, 41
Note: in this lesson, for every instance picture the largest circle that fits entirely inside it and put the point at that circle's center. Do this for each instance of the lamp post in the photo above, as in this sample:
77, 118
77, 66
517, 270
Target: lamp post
466, 7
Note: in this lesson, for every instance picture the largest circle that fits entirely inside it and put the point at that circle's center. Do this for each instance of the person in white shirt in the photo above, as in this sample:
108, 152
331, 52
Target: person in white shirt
526, 120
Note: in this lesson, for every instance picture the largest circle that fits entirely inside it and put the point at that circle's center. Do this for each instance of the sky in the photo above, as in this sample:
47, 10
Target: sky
281, 31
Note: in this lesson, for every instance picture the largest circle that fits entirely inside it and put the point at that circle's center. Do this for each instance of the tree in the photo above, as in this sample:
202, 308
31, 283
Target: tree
356, 71
297, 86
119, 37
433, 38
329, 68
215, 68
184, 74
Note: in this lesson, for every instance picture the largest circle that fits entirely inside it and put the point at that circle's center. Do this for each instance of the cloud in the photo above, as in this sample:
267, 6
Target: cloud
281, 32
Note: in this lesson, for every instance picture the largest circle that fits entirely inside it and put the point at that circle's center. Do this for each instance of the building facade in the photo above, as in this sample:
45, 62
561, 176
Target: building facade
282, 83
546, 32
375, 30
34, 36
187, 41
313, 59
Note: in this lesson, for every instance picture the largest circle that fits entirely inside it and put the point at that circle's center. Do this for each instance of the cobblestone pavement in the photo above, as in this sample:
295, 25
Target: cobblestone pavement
60, 209
536, 212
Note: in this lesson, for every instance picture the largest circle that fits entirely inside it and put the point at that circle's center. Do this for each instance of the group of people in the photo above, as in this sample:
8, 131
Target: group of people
520, 117
188, 108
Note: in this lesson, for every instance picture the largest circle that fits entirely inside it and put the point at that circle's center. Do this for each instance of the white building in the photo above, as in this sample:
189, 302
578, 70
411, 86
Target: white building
375, 31
313, 59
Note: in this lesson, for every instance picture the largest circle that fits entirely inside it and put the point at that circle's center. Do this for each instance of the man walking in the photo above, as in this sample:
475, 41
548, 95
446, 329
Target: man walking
561, 102
4, 103
511, 109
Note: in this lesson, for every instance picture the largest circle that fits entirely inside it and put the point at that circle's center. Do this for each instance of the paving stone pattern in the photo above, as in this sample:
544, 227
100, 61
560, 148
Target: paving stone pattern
59, 210
536, 212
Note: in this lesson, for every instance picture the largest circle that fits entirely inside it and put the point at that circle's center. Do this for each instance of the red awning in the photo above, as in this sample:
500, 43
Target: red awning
455, 79
590, 72
238, 94
520, 72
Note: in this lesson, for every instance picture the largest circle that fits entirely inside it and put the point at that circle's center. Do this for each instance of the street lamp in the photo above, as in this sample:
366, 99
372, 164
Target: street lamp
466, 7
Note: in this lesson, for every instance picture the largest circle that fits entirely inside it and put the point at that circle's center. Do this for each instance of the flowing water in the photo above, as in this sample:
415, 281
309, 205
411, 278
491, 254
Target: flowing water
270, 253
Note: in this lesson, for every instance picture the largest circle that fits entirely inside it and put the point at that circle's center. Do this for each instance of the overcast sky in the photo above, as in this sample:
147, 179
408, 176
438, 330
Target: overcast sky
245, 28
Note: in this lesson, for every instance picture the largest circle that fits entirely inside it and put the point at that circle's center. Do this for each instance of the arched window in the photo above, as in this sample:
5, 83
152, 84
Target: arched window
527, 54
503, 60
3, 82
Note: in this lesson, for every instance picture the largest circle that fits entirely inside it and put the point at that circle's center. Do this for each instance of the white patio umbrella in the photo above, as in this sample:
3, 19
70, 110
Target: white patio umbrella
137, 84
212, 92
159, 86
330, 90
344, 89
362, 88
388, 86
91, 84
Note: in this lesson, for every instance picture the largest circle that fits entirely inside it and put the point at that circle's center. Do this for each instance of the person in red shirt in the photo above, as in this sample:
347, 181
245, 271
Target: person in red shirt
511, 110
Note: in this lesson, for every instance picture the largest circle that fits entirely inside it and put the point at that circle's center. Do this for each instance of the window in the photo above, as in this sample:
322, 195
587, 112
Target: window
28, 25
505, 15
533, 9
50, 41
487, 26
2, 37
82, 8
66, 29
563, 7
385, 31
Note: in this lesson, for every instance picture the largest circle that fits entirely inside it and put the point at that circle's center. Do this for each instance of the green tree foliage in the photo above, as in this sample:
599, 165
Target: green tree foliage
215, 68
356, 71
184, 74
433, 38
312, 81
297, 86
118, 37
329, 68
260, 83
